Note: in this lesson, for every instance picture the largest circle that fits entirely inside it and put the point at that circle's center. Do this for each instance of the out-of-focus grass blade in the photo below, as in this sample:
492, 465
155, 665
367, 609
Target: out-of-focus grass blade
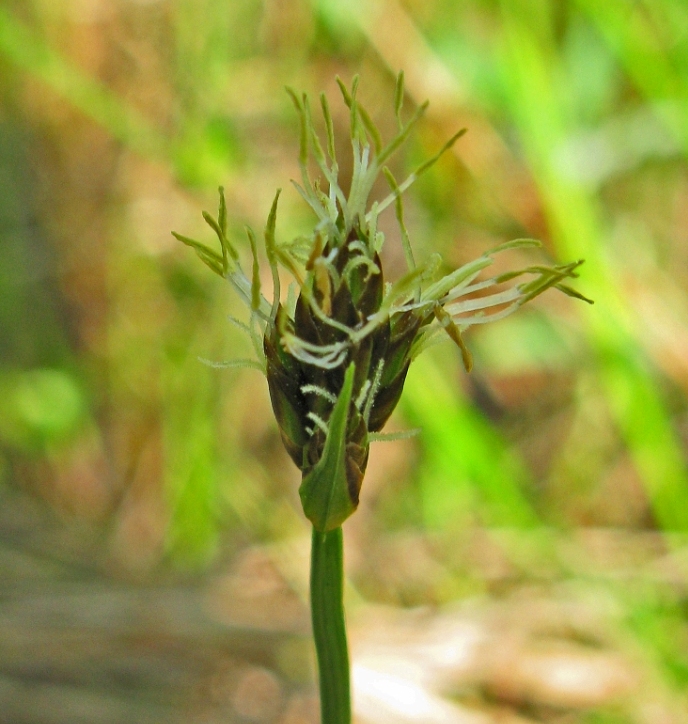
636, 403
472, 466
671, 17
190, 459
23, 47
644, 422
629, 32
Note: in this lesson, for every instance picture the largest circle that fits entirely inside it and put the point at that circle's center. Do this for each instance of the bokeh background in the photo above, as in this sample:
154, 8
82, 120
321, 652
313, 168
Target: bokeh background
524, 559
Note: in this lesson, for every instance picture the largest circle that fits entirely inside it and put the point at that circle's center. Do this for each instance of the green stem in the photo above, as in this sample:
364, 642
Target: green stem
329, 627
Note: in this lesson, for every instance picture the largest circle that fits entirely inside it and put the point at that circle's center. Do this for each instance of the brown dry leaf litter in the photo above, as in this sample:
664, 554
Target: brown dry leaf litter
78, 646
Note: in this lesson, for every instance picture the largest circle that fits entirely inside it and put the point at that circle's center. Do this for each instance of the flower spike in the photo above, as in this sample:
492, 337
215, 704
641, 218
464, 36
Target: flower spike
337, 353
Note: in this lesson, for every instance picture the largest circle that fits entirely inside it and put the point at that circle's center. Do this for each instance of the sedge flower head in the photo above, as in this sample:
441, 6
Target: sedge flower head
337, 352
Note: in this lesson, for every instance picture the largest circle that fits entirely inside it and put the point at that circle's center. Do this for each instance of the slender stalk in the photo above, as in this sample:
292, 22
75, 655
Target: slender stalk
329, 627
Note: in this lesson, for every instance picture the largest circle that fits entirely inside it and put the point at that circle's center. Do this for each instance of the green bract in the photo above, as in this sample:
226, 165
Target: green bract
336, 357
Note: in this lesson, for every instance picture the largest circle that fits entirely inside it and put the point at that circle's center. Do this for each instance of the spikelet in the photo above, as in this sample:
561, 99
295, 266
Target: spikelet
336, 359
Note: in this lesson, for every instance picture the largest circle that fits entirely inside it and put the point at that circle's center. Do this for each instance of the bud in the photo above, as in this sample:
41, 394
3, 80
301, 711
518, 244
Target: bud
347, 292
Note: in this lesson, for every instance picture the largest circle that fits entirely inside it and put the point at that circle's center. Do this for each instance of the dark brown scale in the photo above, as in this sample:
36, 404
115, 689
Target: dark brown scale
353, 301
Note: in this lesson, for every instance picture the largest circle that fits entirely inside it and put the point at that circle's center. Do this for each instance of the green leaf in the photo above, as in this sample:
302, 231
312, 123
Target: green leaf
573, 293
515, 244
303, 127
447, 323
324, 491
432, 161
209, 257
448, 282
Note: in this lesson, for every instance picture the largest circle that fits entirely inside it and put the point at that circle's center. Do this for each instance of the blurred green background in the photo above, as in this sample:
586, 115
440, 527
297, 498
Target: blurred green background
561, 460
